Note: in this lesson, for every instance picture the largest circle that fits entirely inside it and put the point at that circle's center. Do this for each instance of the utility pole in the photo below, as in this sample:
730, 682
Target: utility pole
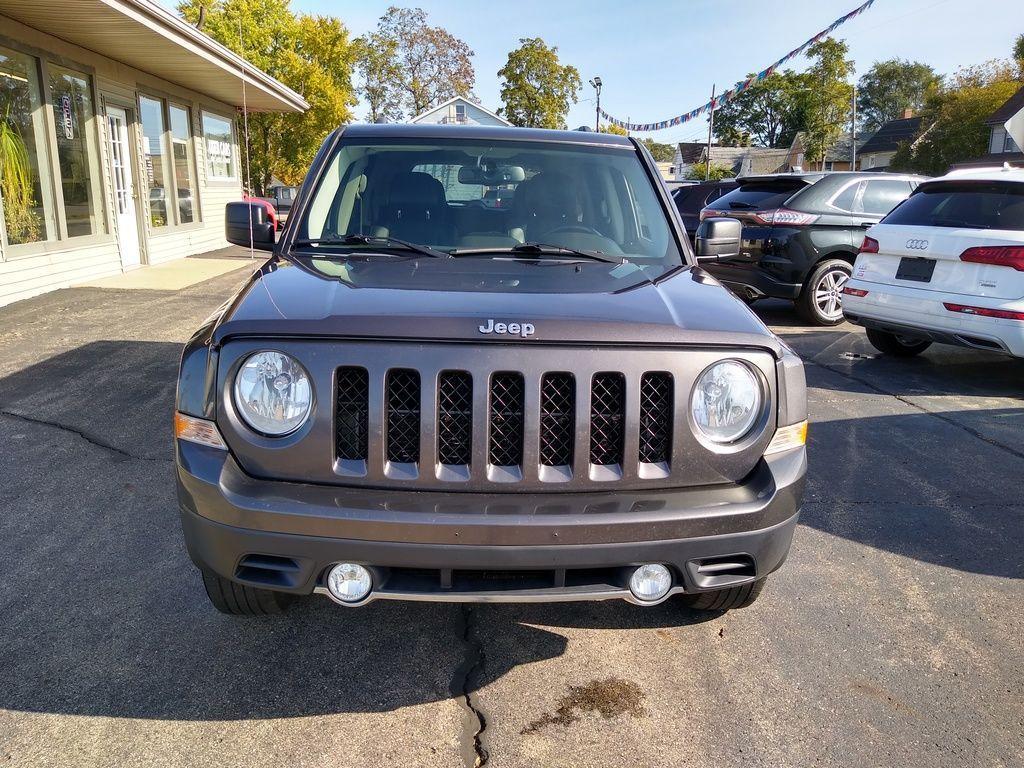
596, 83
711, 128
853, 132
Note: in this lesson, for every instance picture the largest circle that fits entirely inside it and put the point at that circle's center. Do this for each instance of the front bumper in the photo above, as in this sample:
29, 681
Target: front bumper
478, 547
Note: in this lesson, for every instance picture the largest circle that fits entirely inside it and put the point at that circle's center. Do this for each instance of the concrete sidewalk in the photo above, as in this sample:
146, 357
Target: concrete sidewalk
180, 273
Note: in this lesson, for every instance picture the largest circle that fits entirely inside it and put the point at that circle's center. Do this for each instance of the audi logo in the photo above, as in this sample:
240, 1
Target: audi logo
917, 245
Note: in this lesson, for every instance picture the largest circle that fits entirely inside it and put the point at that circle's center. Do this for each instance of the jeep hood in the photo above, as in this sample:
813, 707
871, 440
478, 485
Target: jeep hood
684, 307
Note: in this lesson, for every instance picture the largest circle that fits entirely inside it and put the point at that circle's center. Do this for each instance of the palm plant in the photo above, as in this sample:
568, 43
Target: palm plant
16, 181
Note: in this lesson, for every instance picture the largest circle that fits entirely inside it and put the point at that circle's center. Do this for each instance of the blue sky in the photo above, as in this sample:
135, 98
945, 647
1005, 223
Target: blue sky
659, 58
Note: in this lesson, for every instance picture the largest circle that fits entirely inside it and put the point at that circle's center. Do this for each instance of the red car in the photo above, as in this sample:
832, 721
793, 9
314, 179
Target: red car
271, 211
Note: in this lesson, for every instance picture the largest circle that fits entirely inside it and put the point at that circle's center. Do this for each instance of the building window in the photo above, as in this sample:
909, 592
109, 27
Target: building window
77, 155
218, 134
24, 167
155, 160
460, 113
182, 155
1009, 145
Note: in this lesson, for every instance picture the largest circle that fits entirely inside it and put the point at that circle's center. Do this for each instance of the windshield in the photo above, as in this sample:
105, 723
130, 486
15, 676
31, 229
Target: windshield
965, 204
482, 200
760, 195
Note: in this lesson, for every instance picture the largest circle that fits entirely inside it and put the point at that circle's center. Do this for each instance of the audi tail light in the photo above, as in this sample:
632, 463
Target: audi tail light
870, 245
858, 292
1002, 314
999, 255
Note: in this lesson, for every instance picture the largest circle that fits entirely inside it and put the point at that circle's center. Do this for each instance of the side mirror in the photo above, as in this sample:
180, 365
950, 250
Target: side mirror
718, 238
246, 224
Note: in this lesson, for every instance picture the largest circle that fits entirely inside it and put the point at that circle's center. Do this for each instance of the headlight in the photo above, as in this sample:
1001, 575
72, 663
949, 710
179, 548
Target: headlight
273, 393
726, 402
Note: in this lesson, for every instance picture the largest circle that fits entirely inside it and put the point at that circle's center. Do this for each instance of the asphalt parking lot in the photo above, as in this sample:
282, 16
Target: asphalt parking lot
893, 636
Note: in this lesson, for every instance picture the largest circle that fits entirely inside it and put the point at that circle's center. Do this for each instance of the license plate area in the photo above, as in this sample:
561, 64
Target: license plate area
916, 269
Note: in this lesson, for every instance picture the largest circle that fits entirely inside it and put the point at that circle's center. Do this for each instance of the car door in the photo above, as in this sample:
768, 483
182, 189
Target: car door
879, 196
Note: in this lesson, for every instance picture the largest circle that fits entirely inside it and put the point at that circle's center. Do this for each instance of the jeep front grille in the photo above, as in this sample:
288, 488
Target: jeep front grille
496, 418
403, 419
455, 418
506, 420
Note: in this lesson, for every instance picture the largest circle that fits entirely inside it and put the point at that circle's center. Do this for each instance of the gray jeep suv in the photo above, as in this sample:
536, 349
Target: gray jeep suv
420, 397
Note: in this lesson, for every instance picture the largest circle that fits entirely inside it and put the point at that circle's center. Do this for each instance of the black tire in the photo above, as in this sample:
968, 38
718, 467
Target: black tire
823, 291
238, 600
898, 346
727, 599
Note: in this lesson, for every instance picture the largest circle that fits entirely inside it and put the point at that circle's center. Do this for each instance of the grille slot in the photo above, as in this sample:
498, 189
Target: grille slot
403, 415
351, 414
655, 418
455, 418
607, 416
505, 445
557, 419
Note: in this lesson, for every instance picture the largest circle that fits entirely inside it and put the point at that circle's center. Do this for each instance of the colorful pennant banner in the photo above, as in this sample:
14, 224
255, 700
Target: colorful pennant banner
739, 87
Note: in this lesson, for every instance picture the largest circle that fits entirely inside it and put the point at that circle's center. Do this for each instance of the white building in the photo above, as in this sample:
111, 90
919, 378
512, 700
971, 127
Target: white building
126, 114
460, 111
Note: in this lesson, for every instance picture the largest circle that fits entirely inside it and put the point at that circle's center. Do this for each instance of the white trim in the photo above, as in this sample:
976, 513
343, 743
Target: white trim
464, 100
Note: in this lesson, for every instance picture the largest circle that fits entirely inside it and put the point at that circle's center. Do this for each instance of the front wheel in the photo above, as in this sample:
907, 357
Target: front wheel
724, 599
895, 344
821, 302
237, 600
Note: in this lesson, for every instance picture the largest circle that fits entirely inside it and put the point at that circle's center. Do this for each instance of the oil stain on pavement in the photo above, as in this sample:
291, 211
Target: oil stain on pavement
611, 697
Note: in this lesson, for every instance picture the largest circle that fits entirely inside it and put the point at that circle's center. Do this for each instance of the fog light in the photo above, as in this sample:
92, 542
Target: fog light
650, 582
349, 582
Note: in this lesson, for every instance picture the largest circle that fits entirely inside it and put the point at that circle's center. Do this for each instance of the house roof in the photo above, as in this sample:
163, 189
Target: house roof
1013, 105
453, 100
692, 151
148, 37
889, 137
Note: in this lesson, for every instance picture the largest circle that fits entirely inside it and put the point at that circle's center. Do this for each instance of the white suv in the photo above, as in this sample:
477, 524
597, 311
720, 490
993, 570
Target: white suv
947, 265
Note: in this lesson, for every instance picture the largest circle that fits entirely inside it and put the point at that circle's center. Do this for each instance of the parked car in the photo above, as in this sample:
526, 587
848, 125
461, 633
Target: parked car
498, 198
801, 233
946, 266
691, 200
281, 198
423, 401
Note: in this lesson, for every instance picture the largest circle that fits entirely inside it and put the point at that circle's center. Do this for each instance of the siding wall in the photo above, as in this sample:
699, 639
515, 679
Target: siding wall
73, 261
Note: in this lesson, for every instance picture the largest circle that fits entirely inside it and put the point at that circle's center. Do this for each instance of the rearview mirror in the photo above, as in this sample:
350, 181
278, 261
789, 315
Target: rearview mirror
491, 175
246, 224
718, 238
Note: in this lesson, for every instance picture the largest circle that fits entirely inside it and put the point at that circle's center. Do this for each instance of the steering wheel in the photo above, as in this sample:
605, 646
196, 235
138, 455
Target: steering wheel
581, 229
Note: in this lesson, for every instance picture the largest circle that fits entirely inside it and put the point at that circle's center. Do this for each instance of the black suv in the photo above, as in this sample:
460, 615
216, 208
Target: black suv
801, 234
691, 199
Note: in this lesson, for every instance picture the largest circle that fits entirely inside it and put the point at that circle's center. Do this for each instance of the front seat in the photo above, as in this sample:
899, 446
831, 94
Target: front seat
544, 203
417, 210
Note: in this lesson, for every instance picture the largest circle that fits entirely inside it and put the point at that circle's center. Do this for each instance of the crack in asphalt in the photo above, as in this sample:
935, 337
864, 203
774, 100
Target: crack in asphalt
89, 438
953, 422
474, 723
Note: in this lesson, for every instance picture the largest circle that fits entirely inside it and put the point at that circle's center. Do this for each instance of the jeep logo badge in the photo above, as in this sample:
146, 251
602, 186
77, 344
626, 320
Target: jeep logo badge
512, 329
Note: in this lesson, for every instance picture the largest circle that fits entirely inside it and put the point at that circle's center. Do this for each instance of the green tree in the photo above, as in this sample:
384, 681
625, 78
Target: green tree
381, 75
718, 172
1018, 49
767, 114
615, 129
662, 153
411, 65
891, 86
313, 55
953, 121
827, 100
536, 88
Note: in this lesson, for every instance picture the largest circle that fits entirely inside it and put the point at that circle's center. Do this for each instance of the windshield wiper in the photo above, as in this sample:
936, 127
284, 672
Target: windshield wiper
387, 242
540, 249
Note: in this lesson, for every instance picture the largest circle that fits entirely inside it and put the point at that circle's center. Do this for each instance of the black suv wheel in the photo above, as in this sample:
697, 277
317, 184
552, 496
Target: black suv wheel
821, 302
896, 345
237, 600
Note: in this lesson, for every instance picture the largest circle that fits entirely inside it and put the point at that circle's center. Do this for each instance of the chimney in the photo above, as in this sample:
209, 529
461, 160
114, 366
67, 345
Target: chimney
908, 112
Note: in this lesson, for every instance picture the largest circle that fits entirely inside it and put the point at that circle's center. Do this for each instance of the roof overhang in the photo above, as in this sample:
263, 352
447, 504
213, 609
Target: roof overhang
148, 37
